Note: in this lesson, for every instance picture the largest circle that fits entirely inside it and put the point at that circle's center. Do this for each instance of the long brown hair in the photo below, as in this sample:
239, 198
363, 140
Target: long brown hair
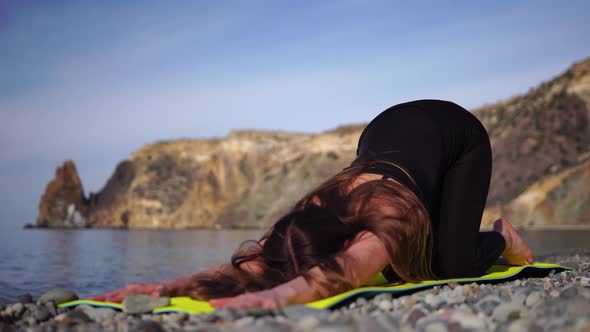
322, 225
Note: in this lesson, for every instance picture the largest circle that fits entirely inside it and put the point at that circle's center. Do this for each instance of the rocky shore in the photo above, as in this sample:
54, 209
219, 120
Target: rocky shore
558, 302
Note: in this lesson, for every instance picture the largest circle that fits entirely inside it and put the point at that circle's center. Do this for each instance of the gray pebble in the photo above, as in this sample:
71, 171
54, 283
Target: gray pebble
97, 314
520, 295
307, 323
578, 308
568, 292
298, 311
364, 310
505, 293
507, 311
372, 306
547, 284
244, 321
487, 304
385, 305
52, 308
434, 301
25, 298
17, 309
383, 297
30, 306
453, 285
60, 317
58, 295
335, 316
227, 315
334, 327
518, 325
40, 313
368, 323
361, 301
455, 297
208, 318
258, 312
174, 318
555, 323
437, 326
29, 320
149, 326
272, 325
138, 304
414, 315
387, 321
77, 316
143, 317
533, 299
468, 320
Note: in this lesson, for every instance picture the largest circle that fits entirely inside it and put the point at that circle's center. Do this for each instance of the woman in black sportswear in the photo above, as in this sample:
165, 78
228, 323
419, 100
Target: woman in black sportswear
446, 150
410, 206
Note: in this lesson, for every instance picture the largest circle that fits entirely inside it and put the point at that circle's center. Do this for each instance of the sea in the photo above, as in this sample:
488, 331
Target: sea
92, 262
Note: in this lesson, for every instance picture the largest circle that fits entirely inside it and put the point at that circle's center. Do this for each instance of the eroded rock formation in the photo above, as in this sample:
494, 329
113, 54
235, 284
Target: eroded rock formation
63, 203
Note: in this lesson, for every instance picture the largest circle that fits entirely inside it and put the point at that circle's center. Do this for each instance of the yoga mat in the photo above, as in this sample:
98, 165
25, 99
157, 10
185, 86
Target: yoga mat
497, 273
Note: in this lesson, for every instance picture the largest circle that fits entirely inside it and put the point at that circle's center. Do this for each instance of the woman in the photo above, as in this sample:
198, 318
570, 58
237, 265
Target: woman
409, 206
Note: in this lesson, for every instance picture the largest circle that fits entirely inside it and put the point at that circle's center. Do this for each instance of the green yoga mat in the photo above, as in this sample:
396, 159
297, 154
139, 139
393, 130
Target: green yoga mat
497, 273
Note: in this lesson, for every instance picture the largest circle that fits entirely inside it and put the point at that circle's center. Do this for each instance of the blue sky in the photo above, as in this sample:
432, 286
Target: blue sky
94, 80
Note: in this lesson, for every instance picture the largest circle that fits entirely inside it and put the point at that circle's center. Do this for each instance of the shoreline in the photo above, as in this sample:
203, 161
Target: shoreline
560, 301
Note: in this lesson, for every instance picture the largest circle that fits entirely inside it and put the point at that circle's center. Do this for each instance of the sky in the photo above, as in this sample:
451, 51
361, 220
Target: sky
92, 81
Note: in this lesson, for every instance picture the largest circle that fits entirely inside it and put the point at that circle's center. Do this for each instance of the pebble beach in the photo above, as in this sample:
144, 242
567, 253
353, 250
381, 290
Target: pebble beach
558, 302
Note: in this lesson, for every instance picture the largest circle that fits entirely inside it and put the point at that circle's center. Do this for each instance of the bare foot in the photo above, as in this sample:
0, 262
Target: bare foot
517, 252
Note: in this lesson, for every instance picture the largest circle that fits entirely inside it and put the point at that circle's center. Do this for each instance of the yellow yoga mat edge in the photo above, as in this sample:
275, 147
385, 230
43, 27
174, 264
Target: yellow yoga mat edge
495, 273
93, 303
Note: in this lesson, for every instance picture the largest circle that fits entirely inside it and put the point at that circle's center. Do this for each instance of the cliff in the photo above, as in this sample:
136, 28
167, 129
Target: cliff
63, 204
540, 142
541, 148
245, 180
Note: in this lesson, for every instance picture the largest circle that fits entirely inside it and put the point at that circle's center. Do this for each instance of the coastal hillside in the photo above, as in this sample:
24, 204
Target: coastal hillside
541, 152
541, 174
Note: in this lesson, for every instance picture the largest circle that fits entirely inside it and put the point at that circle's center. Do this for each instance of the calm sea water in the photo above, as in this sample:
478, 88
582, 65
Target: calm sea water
94, 261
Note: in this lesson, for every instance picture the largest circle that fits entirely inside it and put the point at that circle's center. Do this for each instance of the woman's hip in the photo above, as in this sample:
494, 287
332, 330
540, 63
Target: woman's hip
430, 130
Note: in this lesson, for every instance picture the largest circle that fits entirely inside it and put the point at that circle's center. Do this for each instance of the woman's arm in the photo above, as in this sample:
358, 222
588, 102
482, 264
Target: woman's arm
170, 287
173, 286
364, 259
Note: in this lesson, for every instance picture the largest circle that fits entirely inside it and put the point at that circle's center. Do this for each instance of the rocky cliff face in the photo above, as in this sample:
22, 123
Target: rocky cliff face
540, 141
560, 199
245, 180
538, 134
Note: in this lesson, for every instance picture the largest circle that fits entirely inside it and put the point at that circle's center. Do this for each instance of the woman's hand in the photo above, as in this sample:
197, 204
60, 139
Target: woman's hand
131, 289
267, 299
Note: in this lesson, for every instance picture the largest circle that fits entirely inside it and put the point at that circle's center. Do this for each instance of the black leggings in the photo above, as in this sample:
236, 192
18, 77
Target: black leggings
447, 151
